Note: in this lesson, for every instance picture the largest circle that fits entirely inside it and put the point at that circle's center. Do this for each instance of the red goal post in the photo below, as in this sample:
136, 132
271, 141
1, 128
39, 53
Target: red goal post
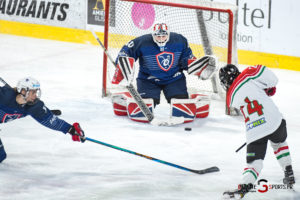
210, 28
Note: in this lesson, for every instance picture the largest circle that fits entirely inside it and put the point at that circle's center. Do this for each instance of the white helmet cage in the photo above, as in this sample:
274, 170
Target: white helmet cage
28, 84
160, 29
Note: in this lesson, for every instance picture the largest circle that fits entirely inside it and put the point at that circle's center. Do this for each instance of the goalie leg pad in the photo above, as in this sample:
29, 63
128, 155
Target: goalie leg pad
202, 105
135, 113
183, 108
119, 101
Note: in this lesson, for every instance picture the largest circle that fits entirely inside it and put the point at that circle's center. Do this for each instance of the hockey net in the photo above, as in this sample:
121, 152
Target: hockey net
209, 27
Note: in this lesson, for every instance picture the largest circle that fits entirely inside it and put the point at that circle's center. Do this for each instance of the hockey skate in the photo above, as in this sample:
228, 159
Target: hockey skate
289, 178
238, 193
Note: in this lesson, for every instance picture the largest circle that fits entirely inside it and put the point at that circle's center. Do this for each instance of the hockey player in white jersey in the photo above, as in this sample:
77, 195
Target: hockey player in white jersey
250, 92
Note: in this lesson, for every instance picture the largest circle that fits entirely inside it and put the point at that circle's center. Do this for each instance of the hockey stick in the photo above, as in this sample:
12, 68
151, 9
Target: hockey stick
4, 82
55, 112
202, 171
137, 97
240, 147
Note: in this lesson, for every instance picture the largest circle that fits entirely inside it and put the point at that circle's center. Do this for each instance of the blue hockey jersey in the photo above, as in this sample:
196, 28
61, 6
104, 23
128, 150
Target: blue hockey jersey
162, 66
11, 110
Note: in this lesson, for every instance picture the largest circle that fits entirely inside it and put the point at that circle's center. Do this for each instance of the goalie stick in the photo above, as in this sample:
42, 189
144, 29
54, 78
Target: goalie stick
137, 97
55, 112
201, 171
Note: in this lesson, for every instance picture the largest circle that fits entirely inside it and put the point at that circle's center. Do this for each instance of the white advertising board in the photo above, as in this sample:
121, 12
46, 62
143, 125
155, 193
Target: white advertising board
268, 26
61, 13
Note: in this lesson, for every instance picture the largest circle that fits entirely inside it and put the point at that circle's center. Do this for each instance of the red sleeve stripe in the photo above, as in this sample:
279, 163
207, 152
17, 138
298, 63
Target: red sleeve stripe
251, 169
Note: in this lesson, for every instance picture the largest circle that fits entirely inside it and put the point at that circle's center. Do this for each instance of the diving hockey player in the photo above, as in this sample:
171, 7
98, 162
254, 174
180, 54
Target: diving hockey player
250, 92
24, 100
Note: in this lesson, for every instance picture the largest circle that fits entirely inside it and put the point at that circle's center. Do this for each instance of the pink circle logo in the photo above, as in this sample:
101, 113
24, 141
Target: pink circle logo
142, 15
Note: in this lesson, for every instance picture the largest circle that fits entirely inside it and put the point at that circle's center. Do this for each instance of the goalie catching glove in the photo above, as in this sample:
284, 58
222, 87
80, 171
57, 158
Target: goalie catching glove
203, 67
77, 133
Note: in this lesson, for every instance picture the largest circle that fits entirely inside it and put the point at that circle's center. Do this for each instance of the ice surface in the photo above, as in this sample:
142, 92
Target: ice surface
45, 164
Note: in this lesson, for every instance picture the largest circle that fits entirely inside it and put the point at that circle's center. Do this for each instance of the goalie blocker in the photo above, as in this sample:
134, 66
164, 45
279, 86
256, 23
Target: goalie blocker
195, 107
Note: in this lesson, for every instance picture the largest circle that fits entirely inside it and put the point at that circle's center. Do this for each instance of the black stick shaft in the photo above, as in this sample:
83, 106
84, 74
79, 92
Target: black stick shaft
240, 147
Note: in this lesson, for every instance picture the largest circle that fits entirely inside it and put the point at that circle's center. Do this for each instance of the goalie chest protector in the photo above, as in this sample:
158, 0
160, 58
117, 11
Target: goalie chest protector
162, 66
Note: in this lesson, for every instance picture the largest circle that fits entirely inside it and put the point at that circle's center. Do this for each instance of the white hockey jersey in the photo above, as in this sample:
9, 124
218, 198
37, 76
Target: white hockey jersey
246, 93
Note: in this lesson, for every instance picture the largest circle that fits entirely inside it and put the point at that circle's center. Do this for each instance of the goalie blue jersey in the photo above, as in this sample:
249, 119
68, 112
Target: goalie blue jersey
11, 110
161, 66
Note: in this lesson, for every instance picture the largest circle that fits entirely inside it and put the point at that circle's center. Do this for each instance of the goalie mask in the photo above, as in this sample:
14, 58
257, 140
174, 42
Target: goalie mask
30, 89
228, 74
160, 34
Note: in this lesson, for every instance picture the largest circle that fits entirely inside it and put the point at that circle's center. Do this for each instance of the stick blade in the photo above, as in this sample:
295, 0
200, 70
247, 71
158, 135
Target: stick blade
207, 170
170, 122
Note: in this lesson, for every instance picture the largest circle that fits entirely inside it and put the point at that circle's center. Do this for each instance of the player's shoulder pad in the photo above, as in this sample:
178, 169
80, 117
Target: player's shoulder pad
7, 93
252, 70
37, 110
143, 39
177, 38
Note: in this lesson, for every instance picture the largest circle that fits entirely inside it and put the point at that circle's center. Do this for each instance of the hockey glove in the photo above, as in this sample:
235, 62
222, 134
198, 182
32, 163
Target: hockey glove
77, 133
203, 67
126, 65
270, 91
118, 76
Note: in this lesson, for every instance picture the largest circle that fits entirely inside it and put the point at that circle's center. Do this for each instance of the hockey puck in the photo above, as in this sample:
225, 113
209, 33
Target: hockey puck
187, 129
